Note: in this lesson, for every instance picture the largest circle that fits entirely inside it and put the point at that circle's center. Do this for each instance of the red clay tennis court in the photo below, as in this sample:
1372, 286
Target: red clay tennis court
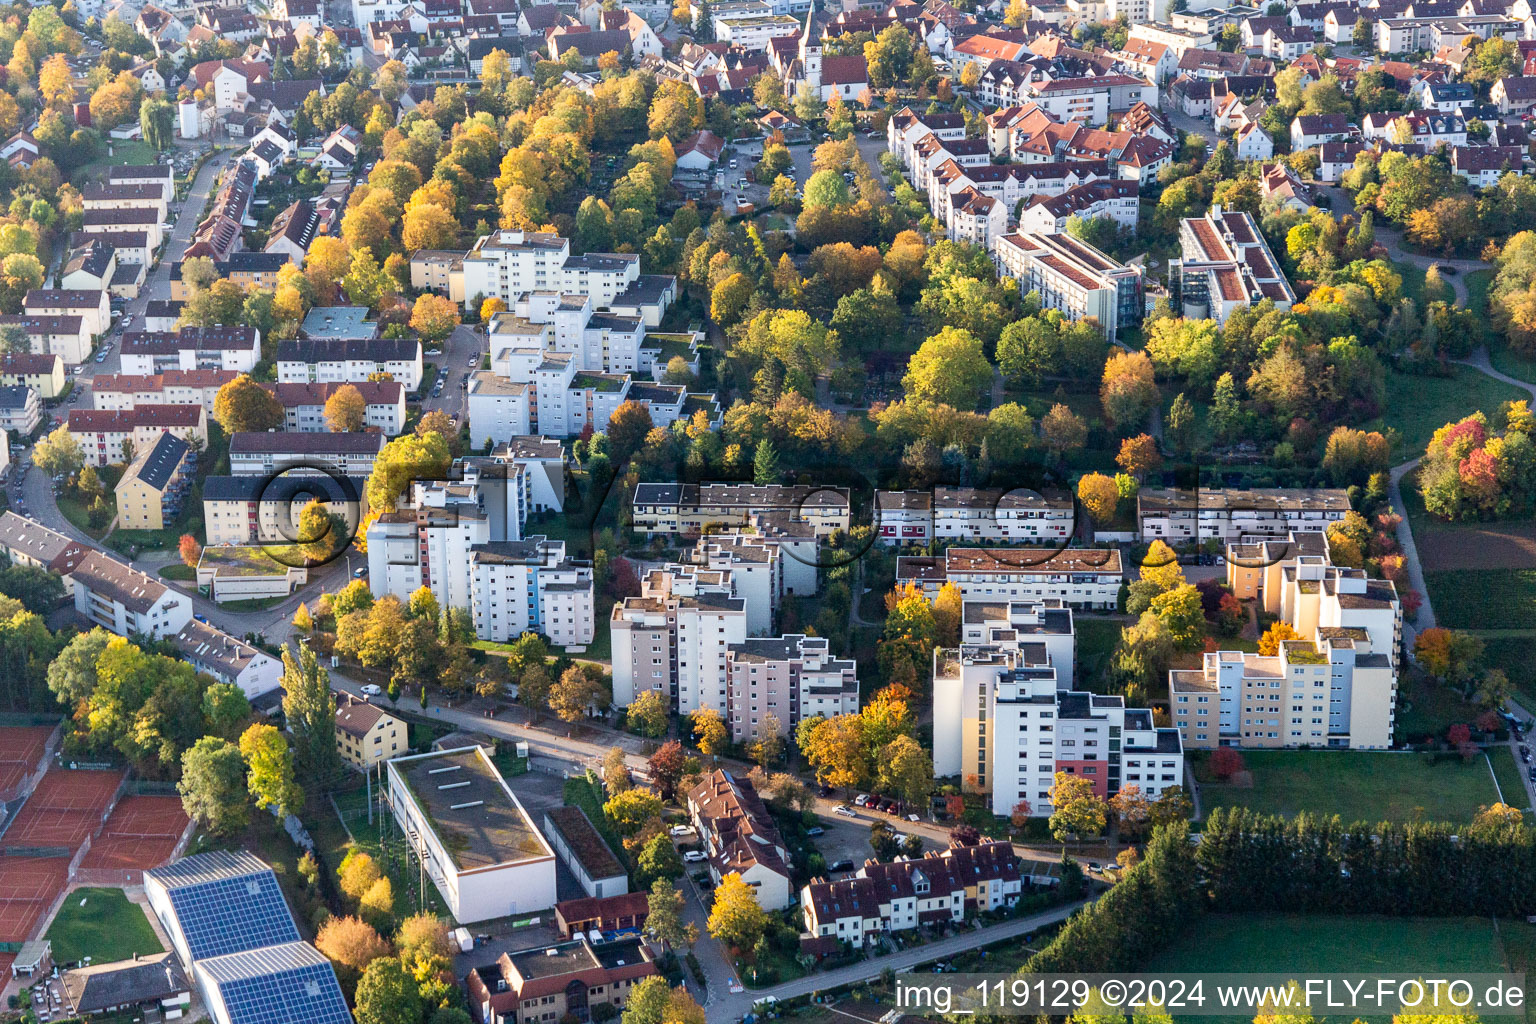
64, 810
21, 747
28, 886
140, 833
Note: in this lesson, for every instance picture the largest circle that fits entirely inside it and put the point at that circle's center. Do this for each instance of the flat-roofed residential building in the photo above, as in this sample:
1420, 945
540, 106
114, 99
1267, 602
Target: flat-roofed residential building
104, 435
904, 517
1336, 686
1228, 513
125, 601
545, 984
154, 486
675, 638
740, 837
1073, 277
172, 387
1079, 577
576, 842
698, 508
254, 509
89, 304
753, 32
1226, 265
521, 585
304, 405
935, 889
544, 458
509, 264
1005, 721
366, 734
227, 347
791, 677
214, 652
499, 408
327, 360
66, 337
1046, 622
478, 845
260, 454
43, 372
1019, 515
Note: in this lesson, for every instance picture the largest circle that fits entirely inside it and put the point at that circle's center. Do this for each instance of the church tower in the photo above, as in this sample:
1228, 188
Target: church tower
810, 51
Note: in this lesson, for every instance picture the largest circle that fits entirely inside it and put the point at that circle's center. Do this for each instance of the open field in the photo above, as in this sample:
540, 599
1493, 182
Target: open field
1418, 405
1483, 598
1357, 785
1304, 945
1475, 546
103, 925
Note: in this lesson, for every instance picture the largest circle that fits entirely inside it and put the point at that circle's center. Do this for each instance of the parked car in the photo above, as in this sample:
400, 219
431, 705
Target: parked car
824, 791
815, 830
861, 800
693, 856
358, 574
913, 817
840, 865
681, 830
371, 690
844, 810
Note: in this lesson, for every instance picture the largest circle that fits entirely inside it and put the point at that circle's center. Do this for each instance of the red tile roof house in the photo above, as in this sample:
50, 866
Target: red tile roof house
700, 151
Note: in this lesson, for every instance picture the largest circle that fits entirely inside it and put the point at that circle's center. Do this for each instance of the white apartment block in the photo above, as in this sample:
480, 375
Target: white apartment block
1073, 277
1006, 723
1227, 265
464, 540
91, 305
675, 638
304, 405
1226, 514
125, 601
791, 677
499, 409
236, 348
1077, 577
1335, 687
104, 435
904, 517
1018, 516
349, 361
674, 508
258, 510
507, 265
1046, 623
755, 33
263, 454
65, 336
173, 387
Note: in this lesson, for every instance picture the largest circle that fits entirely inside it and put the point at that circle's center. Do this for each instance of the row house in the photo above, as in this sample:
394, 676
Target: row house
109, 436
966, 513
1012, 184
693, 509
236, 348
1483, 166
740, 838
264, 453
243, 269
173, 387
880, 900
1429, 129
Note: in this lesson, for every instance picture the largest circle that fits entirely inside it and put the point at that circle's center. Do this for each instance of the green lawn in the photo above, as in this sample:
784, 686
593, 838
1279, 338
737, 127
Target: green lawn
1518, 366
1356, 785
1272, 943
74, 510
133, 151
1513, 654
1418, 405
1096, 641
106, 928
1413, 280
1426, 708
184, 573
1510, 776
1478, 283
1483, 598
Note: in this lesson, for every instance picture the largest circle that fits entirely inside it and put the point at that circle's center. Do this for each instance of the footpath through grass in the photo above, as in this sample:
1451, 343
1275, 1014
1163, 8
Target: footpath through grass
106, 927
1355, 785
1419, 404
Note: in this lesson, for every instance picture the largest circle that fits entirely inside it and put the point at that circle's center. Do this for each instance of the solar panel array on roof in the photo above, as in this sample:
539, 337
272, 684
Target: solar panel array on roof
229, 915
289, 984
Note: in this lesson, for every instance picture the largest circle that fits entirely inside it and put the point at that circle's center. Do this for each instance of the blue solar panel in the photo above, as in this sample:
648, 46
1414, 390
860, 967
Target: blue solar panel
302, 995
233, 914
